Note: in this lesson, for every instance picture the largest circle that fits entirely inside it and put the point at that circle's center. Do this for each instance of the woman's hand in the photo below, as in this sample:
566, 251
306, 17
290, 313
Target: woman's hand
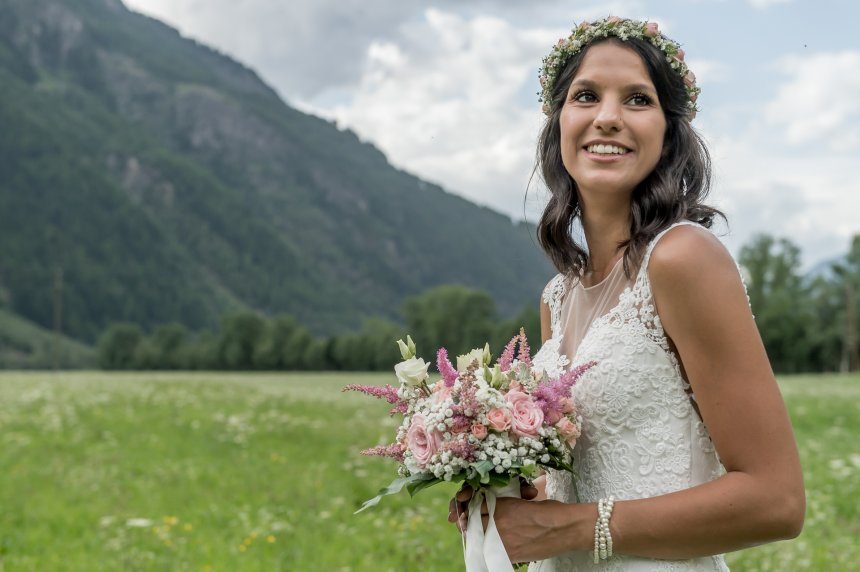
530, 530
458, 508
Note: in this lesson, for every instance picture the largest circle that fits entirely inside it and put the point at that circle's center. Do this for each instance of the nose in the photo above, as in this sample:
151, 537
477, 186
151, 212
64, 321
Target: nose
608, 116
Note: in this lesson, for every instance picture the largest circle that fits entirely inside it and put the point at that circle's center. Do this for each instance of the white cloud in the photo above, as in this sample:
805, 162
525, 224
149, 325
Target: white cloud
445, 102
811, 199
819, 103
761, 4
709, 71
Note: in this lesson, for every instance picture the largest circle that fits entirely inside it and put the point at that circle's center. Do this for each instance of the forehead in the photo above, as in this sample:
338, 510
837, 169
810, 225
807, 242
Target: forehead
609, 62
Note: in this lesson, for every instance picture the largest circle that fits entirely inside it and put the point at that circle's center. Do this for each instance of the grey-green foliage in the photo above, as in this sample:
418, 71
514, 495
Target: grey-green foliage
802, 321
118, 346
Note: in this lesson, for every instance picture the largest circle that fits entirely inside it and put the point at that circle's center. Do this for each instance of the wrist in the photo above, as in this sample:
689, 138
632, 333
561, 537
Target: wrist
576, 525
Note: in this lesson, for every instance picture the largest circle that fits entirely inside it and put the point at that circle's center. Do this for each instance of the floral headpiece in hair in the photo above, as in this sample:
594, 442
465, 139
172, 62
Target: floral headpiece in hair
623, 29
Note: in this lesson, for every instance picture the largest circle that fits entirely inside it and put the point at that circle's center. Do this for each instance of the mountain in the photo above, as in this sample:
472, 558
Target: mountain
168, 182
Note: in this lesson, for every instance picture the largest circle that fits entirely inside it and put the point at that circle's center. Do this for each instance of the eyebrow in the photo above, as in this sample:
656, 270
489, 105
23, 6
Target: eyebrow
630, 87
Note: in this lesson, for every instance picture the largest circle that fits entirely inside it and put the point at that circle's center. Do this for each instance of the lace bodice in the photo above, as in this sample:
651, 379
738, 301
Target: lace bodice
641, 436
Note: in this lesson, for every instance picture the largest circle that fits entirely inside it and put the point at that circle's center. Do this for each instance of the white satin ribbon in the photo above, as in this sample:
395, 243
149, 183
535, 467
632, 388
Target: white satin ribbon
485, 552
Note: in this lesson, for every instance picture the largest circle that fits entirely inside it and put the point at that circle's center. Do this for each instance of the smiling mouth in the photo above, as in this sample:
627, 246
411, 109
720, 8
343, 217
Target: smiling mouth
607, 150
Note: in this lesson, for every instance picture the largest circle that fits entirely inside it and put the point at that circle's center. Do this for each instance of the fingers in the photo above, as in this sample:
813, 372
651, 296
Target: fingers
464, 494
528, 492
452, 511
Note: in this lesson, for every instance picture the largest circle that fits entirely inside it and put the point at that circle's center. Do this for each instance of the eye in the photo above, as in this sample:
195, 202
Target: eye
579, 94
643, 97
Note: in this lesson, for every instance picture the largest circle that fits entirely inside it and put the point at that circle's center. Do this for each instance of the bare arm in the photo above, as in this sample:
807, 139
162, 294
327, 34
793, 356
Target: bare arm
701, 302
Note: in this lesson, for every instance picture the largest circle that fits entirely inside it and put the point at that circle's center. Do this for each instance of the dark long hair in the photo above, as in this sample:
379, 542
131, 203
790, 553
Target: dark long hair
673, 191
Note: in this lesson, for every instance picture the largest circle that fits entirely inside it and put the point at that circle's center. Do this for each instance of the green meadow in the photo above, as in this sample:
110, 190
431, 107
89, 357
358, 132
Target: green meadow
220, 471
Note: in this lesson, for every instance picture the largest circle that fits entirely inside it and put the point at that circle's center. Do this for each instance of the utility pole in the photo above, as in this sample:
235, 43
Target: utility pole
58, 315
851, 349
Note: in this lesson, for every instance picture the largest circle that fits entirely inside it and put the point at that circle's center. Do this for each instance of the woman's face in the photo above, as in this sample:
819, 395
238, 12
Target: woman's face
611, 99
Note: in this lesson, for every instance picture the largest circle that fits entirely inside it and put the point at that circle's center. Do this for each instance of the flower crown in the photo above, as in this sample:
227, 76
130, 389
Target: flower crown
623, 29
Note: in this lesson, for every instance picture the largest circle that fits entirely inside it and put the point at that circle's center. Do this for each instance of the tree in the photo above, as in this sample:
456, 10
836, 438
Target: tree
450, 316
779, 301
271, 351
240, 334
117, 346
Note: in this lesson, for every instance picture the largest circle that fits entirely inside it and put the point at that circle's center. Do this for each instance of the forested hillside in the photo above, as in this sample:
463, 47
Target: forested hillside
169, 183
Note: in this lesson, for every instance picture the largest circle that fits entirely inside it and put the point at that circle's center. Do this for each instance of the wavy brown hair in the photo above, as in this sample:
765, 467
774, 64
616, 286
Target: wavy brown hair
673, 191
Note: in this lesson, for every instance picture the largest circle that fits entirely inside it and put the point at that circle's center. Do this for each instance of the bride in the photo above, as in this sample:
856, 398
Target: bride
687, 451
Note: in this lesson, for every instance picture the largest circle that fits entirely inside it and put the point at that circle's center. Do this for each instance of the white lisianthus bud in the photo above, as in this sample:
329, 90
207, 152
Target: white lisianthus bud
412, 372
464, 360
406, 350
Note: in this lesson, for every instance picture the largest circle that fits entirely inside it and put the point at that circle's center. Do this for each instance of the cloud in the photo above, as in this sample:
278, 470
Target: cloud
709, 71
818, 105
762, 4
811, 199
445, 101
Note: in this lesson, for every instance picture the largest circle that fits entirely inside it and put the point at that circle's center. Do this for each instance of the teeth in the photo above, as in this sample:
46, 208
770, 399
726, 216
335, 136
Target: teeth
607, 149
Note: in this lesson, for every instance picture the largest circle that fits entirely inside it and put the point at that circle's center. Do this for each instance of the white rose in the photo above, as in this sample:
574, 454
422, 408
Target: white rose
412, 372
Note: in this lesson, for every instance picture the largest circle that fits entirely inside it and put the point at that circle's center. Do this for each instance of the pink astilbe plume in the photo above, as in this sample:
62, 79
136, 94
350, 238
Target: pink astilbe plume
387, 392
449, 374
548, 395
395, 451
524, 355
460, 448
468, 388
508, 355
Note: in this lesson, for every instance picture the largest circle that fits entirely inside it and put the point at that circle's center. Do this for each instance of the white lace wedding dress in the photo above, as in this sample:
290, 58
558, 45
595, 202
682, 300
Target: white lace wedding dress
641, 435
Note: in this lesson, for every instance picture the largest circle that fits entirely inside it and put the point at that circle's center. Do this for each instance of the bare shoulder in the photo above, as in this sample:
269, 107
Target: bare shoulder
689, 252
688, 249
698, 291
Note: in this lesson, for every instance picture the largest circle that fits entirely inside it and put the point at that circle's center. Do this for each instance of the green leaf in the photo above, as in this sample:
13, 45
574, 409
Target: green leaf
414, 488
484, 468
393, 488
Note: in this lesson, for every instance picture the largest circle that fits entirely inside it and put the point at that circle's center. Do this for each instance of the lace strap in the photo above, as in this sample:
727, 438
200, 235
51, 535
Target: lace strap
552, 295
642, 280
650, 248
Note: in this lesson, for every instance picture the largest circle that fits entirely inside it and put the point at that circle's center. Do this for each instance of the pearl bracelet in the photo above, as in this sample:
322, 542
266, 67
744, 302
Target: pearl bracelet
602, 537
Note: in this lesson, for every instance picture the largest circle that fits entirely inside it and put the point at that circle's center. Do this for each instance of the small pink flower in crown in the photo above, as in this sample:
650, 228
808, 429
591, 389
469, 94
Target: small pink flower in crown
584, 26
613, 19
690, 79
680, 54
651, 29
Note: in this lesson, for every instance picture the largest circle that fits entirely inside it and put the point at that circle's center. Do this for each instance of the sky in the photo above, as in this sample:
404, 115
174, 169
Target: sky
448, 91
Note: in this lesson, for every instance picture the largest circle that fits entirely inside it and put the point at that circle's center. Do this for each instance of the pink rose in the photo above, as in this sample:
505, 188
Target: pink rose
422, 443
527, 417
613, 19
479, 431
499, 418
680, 54
515, 386
583, 26
568, 405
553, 416
651, 29
569, 430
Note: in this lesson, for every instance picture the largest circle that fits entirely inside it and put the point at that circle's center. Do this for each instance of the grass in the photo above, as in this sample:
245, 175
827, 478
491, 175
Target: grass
215, 471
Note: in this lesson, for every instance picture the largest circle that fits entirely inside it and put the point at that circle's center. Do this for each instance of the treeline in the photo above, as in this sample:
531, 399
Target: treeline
454, 317
807, 323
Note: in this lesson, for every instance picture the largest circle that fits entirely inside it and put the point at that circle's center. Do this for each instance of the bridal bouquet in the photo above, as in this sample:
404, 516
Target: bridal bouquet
483, 425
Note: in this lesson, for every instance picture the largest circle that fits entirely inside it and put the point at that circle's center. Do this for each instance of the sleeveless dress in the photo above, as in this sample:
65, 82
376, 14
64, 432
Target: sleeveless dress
641, 436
